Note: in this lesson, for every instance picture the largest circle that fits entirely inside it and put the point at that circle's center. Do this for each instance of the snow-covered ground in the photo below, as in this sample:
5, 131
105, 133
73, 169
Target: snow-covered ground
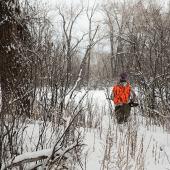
137, 145
134, 146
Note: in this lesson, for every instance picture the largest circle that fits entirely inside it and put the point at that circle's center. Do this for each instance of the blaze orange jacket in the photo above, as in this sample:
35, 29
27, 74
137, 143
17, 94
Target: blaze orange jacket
121, 94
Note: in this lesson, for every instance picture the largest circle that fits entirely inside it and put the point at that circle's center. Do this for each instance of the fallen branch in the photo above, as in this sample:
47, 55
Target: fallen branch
27, 157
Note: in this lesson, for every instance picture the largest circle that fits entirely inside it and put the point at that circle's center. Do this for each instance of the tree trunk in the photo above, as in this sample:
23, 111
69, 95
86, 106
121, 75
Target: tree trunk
14, 64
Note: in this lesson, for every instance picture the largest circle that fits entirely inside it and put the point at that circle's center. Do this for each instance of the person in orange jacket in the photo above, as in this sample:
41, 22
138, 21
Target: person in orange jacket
123, 97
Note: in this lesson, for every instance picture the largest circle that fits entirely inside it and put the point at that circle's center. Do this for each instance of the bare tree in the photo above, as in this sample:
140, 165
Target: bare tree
67, 28
90, 12
16, 84
117, 19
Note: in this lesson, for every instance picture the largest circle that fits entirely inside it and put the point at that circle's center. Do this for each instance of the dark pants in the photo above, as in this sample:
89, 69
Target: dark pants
122, 113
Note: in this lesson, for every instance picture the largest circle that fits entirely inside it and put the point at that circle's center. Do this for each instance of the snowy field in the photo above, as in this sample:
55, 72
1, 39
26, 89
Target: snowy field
137, 145
134, 146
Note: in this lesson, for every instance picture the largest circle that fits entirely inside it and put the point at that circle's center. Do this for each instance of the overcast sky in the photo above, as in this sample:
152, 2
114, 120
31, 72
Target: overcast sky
83, 22
81, 25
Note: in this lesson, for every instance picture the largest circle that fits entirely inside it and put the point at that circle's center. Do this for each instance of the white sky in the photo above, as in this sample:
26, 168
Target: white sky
83, 22
81, 25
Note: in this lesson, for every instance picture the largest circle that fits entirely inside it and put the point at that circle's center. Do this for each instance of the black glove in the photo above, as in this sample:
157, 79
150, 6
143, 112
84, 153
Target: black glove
133, 104
131, 101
